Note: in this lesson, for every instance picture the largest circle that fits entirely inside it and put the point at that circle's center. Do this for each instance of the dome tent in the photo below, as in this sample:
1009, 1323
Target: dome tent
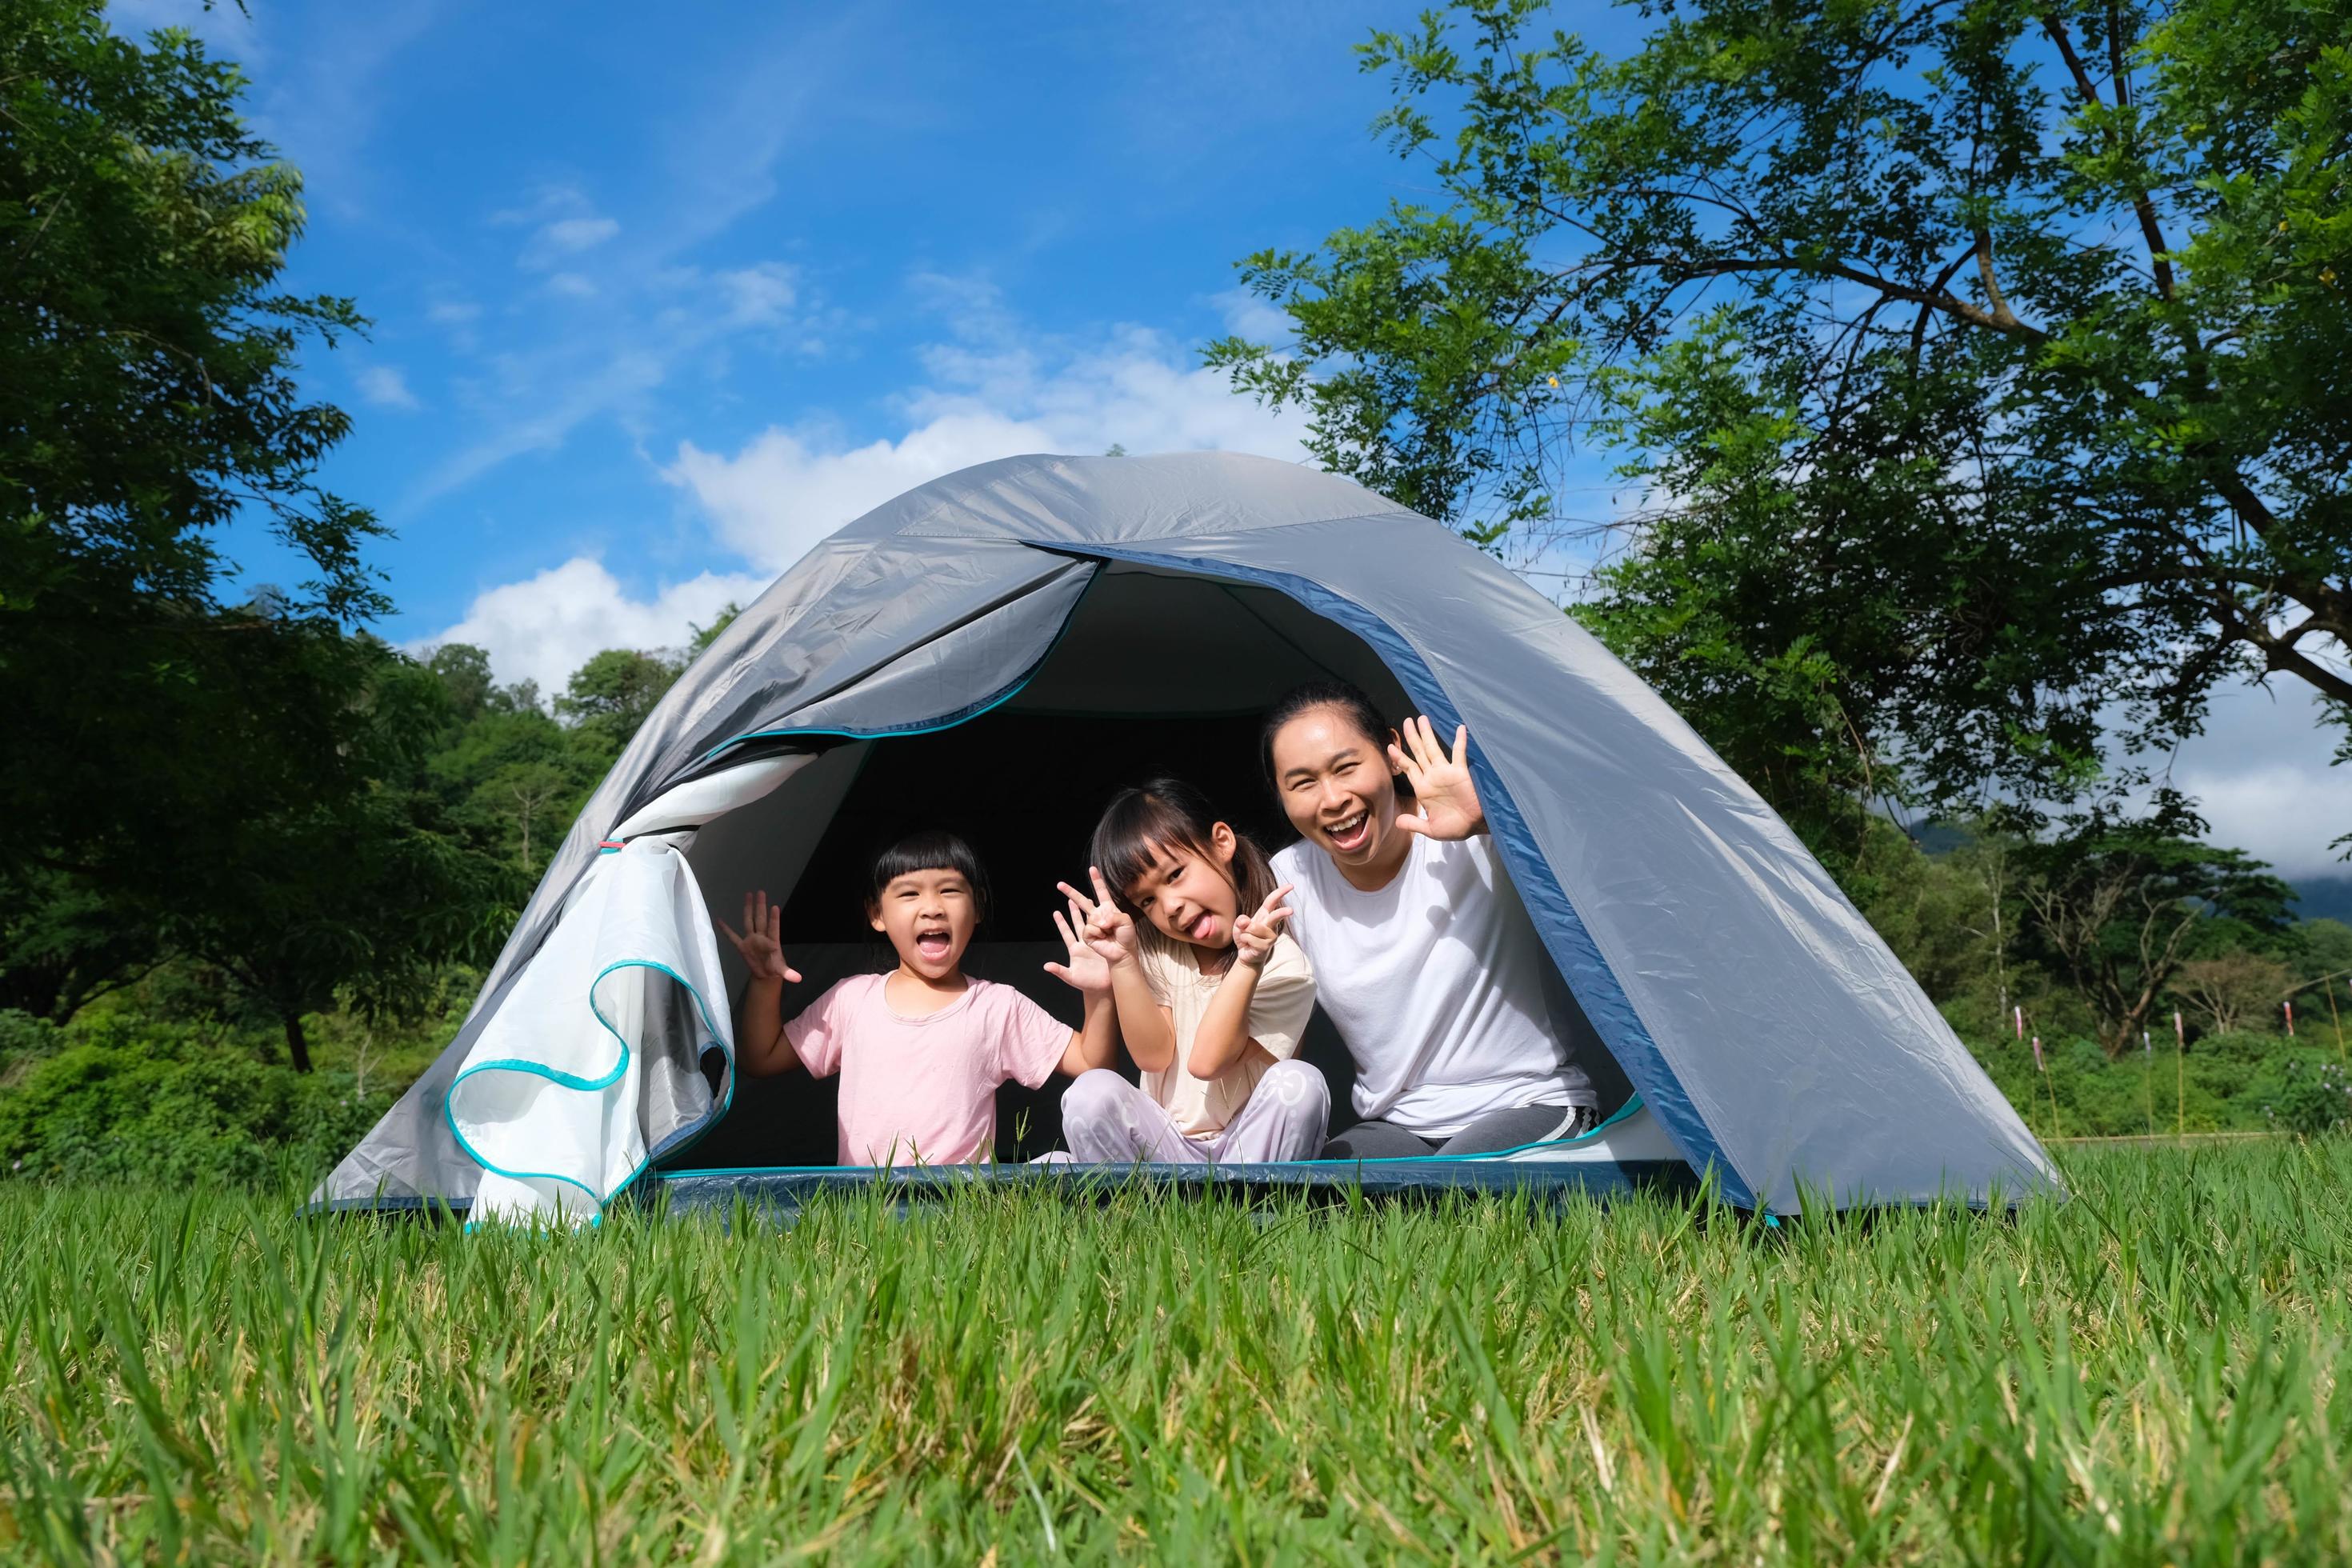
1013, 625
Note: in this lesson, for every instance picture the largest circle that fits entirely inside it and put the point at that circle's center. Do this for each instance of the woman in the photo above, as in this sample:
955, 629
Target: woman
1465, 1041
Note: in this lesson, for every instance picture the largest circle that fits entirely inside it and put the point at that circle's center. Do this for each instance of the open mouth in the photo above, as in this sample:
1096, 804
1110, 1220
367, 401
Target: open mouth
1350, 833
1203, 929
933, 945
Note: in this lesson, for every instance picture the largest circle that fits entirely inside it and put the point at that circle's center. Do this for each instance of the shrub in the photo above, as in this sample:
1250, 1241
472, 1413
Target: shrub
2315, 1098
23, 1038
134, 1100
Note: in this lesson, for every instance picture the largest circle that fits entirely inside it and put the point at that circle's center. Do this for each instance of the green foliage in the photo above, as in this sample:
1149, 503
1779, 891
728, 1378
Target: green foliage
2144, 1374
131, 1099
1979, 365
2119, 910
147, 397
2317, 1098
185, 772
2223, 1083
610, 695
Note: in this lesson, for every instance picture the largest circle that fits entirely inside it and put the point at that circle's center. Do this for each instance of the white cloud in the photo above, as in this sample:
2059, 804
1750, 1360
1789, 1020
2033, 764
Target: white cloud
620, 354
574, 234
1248, 315
2261, 778
563, 222
545, 627
454, 313
995, 393
546, 416
789, 487
759, 296
385, 386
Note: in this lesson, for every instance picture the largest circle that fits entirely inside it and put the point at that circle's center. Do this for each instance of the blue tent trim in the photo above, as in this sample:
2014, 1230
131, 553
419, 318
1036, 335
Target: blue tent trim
1564, 933
788, 1188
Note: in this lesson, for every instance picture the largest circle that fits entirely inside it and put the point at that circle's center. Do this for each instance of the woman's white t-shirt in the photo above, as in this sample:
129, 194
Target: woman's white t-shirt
1441, 988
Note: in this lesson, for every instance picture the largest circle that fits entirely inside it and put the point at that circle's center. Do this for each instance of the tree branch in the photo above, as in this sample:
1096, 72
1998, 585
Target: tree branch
2143, 207
1938, 299
2000, 311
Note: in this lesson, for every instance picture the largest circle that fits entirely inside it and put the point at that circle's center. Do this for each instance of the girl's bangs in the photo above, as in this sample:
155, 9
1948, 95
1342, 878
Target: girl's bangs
1135, 835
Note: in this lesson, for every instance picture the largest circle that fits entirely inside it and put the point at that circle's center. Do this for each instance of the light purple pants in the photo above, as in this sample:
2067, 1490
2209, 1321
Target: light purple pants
1107, 1121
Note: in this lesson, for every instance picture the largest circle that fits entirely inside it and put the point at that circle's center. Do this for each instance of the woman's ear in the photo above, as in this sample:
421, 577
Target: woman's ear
1221, 840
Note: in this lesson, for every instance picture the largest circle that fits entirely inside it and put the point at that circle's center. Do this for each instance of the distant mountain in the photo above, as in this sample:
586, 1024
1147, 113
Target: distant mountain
2315, 898
2324, 898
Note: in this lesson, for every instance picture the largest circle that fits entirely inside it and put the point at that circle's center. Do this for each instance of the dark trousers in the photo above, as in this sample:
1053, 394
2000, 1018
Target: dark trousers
1498, 1129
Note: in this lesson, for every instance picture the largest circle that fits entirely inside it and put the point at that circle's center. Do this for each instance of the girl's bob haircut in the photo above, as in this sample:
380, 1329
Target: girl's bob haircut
1161, 817
932, 849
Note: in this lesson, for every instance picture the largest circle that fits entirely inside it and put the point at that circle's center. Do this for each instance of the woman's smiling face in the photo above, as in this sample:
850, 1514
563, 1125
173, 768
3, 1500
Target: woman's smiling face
1337, 790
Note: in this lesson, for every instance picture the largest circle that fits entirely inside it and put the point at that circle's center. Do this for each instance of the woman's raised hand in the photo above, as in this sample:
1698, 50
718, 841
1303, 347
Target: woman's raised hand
1254, 935
1107, 929
764, 948
1445, 799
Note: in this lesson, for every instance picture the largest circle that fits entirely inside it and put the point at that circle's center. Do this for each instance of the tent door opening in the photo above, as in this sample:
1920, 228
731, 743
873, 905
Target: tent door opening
1155, 673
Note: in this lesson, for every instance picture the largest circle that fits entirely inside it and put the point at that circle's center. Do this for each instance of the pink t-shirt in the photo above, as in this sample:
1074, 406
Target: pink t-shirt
924, 1089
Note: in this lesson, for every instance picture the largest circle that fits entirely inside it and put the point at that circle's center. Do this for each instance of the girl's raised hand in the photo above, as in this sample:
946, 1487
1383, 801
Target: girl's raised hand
764, 948
1445, 798
1108, 929
1254, 935
1086, 971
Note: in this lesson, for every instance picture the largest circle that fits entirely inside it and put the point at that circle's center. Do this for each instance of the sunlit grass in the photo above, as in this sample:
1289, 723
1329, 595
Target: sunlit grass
2150, 1372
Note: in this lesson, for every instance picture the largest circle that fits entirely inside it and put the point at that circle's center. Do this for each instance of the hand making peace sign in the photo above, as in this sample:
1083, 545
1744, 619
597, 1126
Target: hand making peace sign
1108, 929
1254, 935
1445, 800
763, 949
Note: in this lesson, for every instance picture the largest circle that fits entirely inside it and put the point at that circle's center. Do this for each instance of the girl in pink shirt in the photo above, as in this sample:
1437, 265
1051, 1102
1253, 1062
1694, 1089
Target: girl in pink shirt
920, 1050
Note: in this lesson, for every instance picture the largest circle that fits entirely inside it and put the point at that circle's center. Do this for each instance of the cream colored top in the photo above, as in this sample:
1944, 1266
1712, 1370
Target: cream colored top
1279, 1008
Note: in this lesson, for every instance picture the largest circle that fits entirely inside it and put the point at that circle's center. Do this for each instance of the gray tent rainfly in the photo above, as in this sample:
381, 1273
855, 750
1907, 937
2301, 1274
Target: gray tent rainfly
991, 649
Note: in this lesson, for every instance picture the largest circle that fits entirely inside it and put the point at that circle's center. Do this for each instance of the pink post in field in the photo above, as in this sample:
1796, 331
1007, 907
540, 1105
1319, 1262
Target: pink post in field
2039, 1064
2020, 1021
2290, 1020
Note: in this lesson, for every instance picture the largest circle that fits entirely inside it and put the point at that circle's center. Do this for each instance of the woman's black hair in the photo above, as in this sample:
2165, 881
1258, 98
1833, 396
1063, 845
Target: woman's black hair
1352, 703
932, 849
1166, 814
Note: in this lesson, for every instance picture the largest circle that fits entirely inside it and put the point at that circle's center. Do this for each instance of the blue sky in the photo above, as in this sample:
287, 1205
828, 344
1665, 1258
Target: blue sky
664, 293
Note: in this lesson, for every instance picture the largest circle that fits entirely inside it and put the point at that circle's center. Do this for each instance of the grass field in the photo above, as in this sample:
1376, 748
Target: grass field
2152, 1373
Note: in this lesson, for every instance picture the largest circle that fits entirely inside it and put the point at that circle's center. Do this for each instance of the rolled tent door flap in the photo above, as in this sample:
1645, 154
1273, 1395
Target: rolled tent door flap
593, 1061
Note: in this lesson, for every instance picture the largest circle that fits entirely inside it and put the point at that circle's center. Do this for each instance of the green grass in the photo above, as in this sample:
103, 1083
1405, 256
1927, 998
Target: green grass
2151, 1373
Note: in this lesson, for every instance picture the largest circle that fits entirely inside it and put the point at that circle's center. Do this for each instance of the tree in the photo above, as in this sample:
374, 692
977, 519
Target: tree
360, 897
610, 695
2234, 990
1981, 364
147, 399
2119, 908
703, 637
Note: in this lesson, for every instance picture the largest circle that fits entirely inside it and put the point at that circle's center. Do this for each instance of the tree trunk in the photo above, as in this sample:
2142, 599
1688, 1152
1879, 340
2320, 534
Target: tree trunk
298, 1044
